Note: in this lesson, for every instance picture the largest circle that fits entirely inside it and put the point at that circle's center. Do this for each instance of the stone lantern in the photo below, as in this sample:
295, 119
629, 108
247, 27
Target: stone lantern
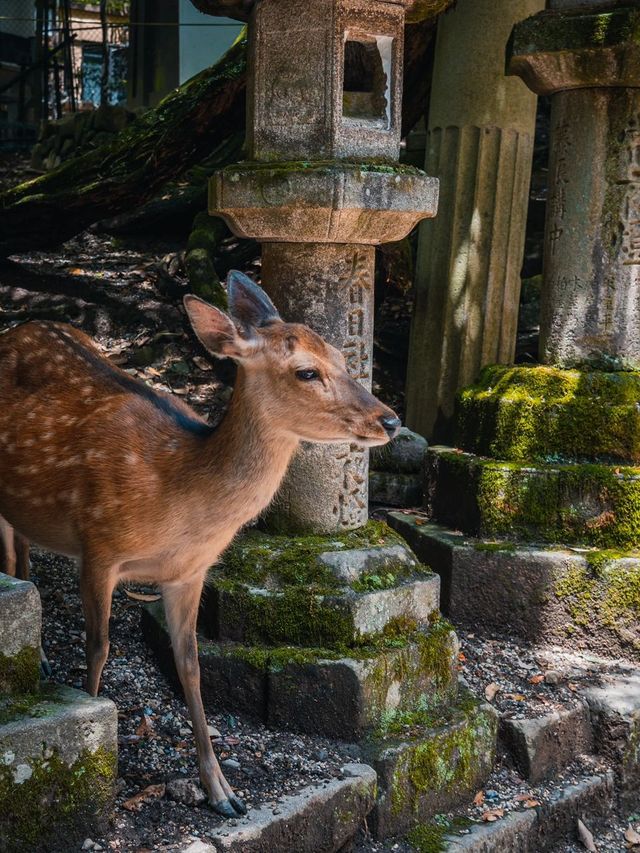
321, 189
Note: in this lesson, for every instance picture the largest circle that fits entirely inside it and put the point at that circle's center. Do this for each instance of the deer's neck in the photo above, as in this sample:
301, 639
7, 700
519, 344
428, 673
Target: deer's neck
248, 455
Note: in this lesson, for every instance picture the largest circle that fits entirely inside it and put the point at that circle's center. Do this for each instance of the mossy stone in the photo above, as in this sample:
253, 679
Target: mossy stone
579, 30
548, 414
20, 673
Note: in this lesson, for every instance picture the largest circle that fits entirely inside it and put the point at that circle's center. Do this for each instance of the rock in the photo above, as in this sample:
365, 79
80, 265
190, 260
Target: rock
20, 623
231, 764
185, 791
390, 489
552, 677
544, 746
403, 455
87, 844
350, 564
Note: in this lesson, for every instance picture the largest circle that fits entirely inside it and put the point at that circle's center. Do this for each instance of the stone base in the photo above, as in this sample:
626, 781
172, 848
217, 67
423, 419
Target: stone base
58, 759
318, 818
434, 769
583, 599
20, 620
596, 505
390, 489
342, 695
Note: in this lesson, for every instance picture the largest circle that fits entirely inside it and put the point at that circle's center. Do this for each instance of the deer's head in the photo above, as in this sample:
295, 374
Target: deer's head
298, 379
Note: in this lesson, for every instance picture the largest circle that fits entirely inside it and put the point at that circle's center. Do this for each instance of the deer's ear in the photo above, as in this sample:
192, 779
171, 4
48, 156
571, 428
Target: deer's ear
216, 331
248, 303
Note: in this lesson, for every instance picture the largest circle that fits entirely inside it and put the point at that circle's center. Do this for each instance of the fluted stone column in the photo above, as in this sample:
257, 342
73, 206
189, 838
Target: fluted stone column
480, 144
590, 63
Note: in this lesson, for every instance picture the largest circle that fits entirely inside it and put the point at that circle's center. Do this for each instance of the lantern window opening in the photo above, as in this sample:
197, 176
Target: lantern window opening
366, 95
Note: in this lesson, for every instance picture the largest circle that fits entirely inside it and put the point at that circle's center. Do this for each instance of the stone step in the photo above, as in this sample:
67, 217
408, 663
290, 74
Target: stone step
543, 746
595, 504
318, 818
58, 760
391, 489
581, 598
341, 694
427, 767
20, 626
535, 830
299, 616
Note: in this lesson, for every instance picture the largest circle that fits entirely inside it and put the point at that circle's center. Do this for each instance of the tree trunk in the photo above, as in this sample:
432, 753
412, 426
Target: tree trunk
161, 145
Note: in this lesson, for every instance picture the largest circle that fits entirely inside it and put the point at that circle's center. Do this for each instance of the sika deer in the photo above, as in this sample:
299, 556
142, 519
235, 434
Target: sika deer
96, 465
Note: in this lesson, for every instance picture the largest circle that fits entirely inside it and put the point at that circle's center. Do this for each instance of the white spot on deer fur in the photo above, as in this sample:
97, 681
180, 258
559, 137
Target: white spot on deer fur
4, 437
31, 415
59, 357
47, 436
131, 458
10, 448
97, 512
36, 502
29, 442
86, 390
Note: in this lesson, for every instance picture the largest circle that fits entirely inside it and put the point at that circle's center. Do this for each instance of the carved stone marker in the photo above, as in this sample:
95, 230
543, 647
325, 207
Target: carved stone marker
325, 84
589, 61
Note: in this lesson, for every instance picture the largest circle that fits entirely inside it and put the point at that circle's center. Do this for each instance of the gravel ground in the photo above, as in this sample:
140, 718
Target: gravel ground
155, 743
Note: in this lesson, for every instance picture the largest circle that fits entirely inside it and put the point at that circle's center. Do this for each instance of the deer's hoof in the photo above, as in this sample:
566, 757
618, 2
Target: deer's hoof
224, 808
238, 805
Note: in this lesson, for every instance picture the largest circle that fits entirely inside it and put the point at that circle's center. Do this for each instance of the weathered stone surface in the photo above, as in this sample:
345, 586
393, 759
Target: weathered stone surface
543, 595
326, 202
434, 770
553, 52
535, 413
185, 791
297, 616
354, 563
57, 769
319, 819
347, 697
593, 504
20, 625
615, 713
480, 144
543, 746
539, 830
401, 490
403, 455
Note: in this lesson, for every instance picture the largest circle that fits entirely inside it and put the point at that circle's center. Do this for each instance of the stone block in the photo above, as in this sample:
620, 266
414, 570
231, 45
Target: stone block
355, 563
555, 52
433, 769
318, 819
593, 504
58, 759
20, 625
298, 616
615, 713
543, 746
322, 202
586, 600
539, 413
346, 697
401, 490
403, 455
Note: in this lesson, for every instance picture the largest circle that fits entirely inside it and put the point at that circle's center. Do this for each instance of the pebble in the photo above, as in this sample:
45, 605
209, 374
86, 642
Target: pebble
231, 764
552, 677
185, 791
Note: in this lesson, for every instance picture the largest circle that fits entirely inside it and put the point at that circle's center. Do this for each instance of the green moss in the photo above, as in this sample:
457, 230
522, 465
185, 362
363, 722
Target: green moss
547, 414
57, 799
374, 165
495, 546
433, 837
20, 673
574, 31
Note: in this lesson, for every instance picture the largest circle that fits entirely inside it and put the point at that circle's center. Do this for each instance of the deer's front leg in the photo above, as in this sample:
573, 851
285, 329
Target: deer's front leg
181, 604
97, 581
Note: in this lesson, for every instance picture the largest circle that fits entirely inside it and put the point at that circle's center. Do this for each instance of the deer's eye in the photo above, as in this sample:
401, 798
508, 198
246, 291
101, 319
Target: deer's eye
307, 375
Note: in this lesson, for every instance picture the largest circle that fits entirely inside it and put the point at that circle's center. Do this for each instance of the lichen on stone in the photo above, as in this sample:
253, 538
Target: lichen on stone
20, 673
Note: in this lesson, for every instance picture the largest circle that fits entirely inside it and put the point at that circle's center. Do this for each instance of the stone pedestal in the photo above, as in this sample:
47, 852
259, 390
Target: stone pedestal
480, 145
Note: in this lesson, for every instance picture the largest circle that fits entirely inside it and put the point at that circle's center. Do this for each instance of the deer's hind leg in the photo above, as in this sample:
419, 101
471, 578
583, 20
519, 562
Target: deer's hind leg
7, 548
181, 602
97, 581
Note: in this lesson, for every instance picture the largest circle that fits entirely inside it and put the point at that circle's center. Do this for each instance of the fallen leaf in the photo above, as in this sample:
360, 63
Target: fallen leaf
146, 727
522, 798
478, 800
151, 792
492, 814
461, 656
586, 838
536, 679
516, 697
490, 691
143, 596
531, 804
572, 686
632, 836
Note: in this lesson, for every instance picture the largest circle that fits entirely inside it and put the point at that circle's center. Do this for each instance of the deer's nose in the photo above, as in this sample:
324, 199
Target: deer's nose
391, 424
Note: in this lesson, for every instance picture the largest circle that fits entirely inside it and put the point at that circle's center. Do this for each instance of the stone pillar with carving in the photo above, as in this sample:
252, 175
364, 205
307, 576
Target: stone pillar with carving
324, 97
480, 145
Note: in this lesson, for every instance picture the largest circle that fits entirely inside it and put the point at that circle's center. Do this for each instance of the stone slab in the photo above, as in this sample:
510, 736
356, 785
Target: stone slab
539, 830
58, 759
246, 614
325, 202
401, 490
543, 746
318, 819
615, 712
351, 564
434, 770
572, 598
20, 627
596, 504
